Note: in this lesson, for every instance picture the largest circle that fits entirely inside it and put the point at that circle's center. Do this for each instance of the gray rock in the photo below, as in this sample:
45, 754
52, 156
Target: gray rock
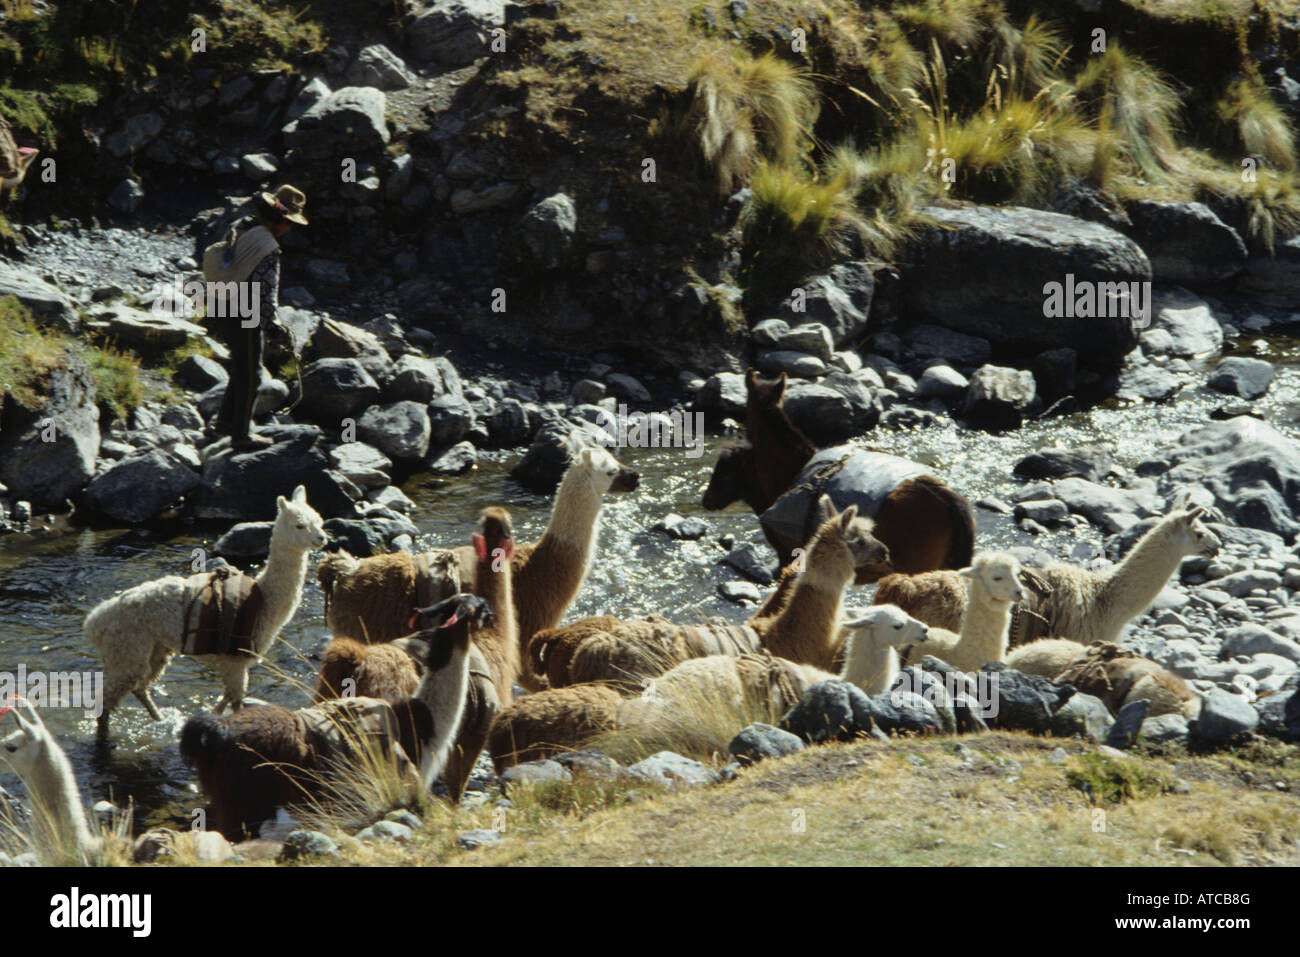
724, 393
1240, 584
535, 772
759, 741
1091, 463
1111, 509
839, 299
1243, 376
359, 538
927, 340
999, 398
1190, 323
1046, 512
1273, 278
383, 832
247, 540
364, 465
1165, 728
1185, 242
126, 197
548, 230
47, 473
148, 334
300, 845
740, 592
1223, 716
473, 840
139, 486
138, 132
259, 167
450, 417
546, 460
313, 93
672, 770
812, 338
1251, 639
824, 712
941, 382
334, 389
454, 33
748, 560
901, 712
1083, 716
1024, 702
593, 764
508, 424
626, 387
675, 526
352, 116
1128, 722
1148, 382
380, 67
401, 430
46, 302
983, 271
798, 365
455, 460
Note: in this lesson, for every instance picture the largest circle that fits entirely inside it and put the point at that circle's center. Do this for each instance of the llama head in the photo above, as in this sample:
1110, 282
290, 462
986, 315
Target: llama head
22, 749
847, 536
298, 523
888, 625
1189, 534
494, 535
606, 473
767, 393
447, 626
997, 574
733, 475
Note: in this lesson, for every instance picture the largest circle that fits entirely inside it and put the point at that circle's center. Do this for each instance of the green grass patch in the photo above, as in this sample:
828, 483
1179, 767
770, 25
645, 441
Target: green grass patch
1106, 780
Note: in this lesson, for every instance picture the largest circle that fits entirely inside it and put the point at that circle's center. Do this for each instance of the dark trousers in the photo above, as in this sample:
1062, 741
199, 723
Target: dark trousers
241, 391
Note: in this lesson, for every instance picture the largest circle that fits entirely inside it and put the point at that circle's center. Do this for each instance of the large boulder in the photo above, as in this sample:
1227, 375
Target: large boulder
999, 398
334, 389
47, 453
1274, 279
840, 299
350, 118
1252, 469
454, 33
243, 486
548, 229
148, 334
139, 486
46, 302
380, 67
1191, 325
400, 429
986, 271
1186, 242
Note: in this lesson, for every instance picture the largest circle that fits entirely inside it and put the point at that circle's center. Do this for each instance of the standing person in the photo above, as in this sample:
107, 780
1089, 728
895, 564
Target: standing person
249, 253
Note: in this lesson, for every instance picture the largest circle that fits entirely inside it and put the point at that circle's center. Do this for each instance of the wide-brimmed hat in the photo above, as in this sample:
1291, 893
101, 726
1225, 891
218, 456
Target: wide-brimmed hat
288, 201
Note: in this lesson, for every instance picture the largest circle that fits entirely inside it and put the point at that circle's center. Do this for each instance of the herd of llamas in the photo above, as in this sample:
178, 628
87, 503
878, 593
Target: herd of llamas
426, 650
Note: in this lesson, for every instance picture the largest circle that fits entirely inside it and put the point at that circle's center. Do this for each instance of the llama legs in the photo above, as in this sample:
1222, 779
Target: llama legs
481, 707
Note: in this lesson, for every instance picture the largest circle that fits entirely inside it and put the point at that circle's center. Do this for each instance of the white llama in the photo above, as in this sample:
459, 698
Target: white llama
138, 631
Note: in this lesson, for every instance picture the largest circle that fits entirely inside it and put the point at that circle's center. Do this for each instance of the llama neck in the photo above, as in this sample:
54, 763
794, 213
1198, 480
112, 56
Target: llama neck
984, 627
57, 804
806, 629
1133, 584
869, 664
281, 584
575, 516
444, 691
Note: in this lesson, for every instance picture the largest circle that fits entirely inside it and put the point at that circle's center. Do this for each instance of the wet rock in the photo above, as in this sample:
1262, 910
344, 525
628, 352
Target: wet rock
999, 398
1243, 376
1189, 322
1109, 508
244, 486
454, 460
508, 424
941, 382
380, 67
546, 460
1025, 702
1046, 512
839, 299
548, 230
335, 389
1223, 716
1128, 722
1149, 382
1091, 463
47, 303
454, 33
1083, 716
1185, 242
450, 417
352, 116
672, 770
139, 486
675, 526
401, 430
759, 741
247, 540
740, 592
983, 271
357, 537
49, 472
301, 845
747, 559
725, 394
1273, 278
364, 465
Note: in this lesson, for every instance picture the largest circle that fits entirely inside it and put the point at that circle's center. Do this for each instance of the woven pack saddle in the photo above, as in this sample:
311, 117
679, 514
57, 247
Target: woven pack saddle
222, 611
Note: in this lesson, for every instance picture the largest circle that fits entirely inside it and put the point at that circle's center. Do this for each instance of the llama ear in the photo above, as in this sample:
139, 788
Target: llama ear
779, 391
967, 572
825, 508
1196, 512
300, 495
281, 503
847, 516
751, 380
25, 713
